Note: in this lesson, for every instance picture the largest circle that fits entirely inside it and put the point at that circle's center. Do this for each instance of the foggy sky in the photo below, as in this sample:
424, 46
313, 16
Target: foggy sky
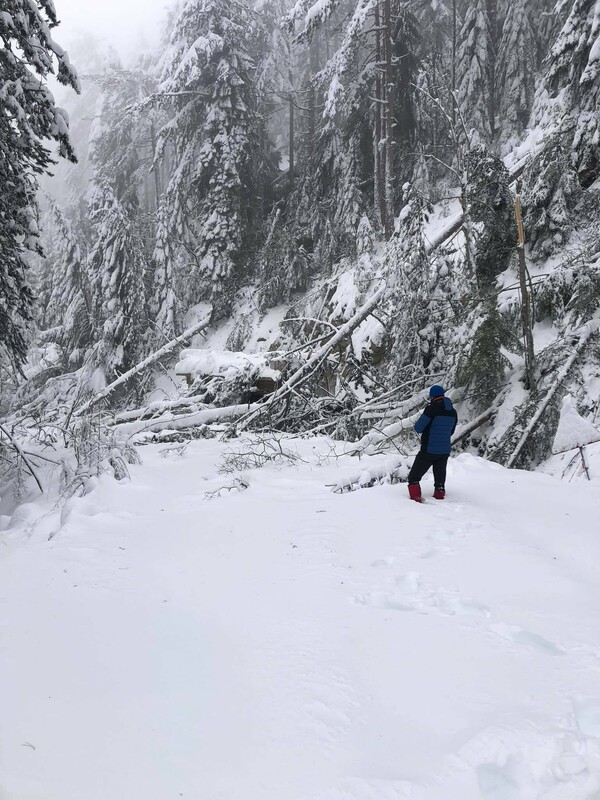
118, 22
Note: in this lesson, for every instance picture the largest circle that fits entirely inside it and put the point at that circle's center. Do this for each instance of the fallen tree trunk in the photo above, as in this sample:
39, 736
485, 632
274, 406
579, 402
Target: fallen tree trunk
370, 476
377, 436
465, 430
159, 407
303, 373
151, 359
195, 419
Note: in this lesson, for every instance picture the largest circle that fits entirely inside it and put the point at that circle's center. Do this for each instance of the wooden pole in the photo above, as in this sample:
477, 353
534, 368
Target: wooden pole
526, 316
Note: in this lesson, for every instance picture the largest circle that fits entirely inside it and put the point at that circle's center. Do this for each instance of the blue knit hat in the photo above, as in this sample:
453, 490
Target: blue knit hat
437, 391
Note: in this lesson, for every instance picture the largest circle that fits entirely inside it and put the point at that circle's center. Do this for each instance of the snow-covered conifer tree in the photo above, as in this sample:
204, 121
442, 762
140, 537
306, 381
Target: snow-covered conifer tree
574, 75
116, 262
516, 70
408, 268
217, 134
491, 205
68, 304
29, 119
475, 71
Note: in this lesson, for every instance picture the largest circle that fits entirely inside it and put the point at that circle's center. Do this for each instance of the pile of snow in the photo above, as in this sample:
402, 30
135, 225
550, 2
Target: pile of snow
198, 363
573, 430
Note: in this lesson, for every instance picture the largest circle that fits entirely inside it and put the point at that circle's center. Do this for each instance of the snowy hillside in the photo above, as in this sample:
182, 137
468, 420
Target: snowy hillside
251, 635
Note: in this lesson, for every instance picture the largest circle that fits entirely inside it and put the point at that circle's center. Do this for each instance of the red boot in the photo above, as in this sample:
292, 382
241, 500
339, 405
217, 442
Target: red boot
438, 493
414, 490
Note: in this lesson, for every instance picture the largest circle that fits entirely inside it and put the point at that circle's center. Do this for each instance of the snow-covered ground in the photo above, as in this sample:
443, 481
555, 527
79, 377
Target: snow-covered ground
286, 643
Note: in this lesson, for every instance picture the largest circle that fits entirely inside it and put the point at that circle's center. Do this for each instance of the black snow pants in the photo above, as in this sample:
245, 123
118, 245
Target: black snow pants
423, 462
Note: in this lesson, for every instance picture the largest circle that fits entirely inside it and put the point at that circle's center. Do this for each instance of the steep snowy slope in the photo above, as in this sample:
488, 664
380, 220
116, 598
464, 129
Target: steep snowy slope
286, 643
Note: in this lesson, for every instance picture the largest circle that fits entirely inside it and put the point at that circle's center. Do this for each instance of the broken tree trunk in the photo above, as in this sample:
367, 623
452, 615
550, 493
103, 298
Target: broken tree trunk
151, 359
303, 373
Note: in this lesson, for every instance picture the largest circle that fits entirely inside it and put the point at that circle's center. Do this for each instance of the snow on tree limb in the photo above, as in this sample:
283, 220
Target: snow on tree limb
151, 359
378, 436
303, 372
456, 222
20, 452
465, 430
587, 332
194, 419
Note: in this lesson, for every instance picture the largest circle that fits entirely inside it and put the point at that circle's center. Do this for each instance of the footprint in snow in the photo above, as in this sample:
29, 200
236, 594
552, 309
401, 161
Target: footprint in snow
410, 595
496, 783
587, 714
384, 563
513, 633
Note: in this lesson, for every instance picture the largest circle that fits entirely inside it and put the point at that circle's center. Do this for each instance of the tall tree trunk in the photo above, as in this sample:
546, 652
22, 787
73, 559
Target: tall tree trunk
454, 43
292, 143
378, 175
312, 96
156, 170
492, 14
388, 117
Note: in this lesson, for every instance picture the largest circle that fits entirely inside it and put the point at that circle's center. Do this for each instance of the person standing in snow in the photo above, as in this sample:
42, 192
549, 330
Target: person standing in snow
436, 426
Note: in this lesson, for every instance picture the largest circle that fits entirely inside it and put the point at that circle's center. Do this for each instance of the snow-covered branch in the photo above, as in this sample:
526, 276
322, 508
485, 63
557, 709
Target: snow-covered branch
303, 372
588, 331
151, 359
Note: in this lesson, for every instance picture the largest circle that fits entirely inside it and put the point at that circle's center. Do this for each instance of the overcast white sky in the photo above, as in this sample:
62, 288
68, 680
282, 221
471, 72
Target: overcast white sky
119, 22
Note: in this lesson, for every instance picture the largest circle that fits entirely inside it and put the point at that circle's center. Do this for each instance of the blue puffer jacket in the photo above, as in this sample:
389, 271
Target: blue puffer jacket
436, 426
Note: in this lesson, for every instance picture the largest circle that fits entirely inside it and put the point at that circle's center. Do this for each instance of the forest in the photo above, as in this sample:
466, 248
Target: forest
295, 218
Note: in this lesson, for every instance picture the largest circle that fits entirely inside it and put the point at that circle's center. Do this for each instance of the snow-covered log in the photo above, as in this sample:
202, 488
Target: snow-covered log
369, 476
159, 407
465, 430
195, 419
586, 334
378, 436
151, 359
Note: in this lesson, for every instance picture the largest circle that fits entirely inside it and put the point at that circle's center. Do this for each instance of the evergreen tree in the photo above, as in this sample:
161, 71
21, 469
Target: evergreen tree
116, 262
475, 71
516, 71
551, 194
574, 76
218, 137
116, 268
29, 119
491, 205
68, 307
483, 370
409, 276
